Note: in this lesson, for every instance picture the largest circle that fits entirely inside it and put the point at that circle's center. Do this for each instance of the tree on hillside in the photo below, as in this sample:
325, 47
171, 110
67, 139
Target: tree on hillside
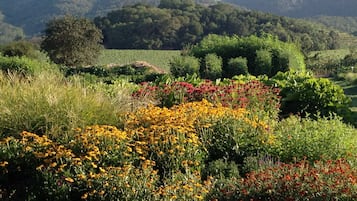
177, 4
72, 41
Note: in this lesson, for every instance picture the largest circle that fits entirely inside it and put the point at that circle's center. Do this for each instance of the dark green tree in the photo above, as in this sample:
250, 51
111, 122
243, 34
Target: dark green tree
177, 4
72, 41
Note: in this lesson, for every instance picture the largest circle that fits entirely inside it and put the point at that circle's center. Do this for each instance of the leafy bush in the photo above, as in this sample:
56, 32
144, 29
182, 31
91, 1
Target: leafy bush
284, 56
263, 63
22, 65
92, 70
221, 169
331, 180
280, 61
236, 66
184, 65
302, 93
236, 136
212, 67
22, 48
324, 138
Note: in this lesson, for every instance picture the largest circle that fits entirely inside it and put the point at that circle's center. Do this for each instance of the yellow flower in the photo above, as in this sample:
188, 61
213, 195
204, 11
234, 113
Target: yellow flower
3, 164
94, 165
102, 170
81, 176
84, 196
39, 167
69, 179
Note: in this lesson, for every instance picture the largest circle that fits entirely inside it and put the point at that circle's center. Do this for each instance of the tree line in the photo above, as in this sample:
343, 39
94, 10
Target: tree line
174, 24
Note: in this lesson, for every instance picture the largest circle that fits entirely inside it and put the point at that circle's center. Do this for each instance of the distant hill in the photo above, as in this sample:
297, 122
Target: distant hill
173, 27
32, 15
345, 24
9, 32
301, 8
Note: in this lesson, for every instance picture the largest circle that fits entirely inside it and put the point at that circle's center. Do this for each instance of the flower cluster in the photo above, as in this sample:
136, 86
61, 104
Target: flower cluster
253, 95
329, 180
172, 136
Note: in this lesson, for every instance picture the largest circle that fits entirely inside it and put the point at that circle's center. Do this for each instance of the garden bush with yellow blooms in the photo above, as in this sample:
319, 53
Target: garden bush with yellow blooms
157, 153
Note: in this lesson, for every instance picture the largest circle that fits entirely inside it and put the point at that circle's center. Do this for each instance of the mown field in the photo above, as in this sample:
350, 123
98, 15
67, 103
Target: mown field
159, 58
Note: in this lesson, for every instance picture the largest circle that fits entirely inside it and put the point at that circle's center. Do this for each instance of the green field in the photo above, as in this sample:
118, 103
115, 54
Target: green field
159, 58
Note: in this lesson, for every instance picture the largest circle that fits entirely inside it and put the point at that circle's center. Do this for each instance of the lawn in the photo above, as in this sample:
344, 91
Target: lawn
159, 58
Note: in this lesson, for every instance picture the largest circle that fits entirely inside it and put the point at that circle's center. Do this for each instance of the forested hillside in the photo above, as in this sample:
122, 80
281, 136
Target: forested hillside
302, 8
172, 26
160, 25
32, 15
345, 24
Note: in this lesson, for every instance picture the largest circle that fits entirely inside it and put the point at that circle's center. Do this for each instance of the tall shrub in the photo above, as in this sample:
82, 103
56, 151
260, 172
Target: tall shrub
211, 68
285, 56
23, 65
236, 66
263, 63
184, 65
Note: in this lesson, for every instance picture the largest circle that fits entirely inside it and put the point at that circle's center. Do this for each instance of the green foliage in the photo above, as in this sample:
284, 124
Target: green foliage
23, 65
235, 139
184, 65
263, 63
49, 104
72, 41
236, 66
302, 93
221, 169
22, 48
281, 62
343, 23
211, 67
176, 4
263, 54
178, 23
324, 138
